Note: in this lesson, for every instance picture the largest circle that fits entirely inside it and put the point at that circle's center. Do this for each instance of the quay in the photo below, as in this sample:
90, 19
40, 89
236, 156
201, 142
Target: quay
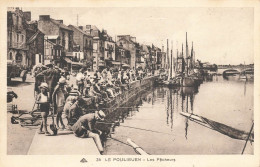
65, 143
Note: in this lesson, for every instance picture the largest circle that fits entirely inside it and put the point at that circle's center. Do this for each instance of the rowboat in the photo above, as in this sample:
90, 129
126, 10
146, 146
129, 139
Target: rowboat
221, 128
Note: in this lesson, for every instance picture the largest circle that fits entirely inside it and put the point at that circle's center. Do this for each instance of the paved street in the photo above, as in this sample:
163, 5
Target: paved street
19, 138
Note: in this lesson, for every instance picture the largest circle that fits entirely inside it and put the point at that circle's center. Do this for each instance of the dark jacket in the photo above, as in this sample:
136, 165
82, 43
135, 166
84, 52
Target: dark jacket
51, 77
87, 121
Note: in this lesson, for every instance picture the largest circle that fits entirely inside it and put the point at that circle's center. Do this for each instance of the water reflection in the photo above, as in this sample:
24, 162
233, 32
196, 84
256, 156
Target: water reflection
160, 109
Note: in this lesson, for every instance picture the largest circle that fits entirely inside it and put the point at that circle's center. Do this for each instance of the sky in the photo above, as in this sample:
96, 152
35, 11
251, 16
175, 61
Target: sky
219, 35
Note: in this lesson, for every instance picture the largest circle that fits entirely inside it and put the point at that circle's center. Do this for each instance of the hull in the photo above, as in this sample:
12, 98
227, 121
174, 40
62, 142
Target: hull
221, 128
188, 82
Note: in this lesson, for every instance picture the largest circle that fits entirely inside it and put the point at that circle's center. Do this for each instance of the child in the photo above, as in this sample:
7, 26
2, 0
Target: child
59, 96
43, 100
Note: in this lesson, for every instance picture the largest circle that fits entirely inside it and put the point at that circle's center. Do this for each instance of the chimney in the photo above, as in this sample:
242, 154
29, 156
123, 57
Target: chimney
27, 16
81, 27
60, 21
44, 17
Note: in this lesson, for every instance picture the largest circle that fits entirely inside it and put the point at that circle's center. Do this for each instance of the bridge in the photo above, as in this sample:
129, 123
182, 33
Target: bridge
224, 70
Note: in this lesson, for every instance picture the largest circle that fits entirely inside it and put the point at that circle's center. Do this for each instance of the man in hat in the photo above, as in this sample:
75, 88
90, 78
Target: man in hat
51, 77
58, 99
84, 127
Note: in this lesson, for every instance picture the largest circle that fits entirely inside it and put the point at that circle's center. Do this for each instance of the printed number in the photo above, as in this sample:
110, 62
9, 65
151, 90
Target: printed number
98, 159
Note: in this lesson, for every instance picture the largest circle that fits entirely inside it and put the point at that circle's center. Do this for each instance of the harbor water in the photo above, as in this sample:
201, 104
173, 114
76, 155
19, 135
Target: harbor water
155, 124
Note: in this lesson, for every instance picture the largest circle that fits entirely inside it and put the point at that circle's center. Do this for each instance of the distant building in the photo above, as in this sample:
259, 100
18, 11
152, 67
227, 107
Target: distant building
16, 36
56, 30
98, 46
83, 45
109, 52
35, 42
122, 57
128, 42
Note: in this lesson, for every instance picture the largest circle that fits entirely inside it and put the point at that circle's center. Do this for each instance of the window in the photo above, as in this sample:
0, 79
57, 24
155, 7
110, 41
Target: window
11, 56
40, 58
17, 38
22, 38
17, 20
10, 37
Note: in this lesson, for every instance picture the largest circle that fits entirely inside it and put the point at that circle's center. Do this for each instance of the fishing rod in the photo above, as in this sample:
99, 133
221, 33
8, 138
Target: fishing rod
248, 138
92, 109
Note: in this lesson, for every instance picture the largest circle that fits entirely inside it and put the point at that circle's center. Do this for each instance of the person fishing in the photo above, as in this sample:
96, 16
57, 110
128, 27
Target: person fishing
84, 127
43, 100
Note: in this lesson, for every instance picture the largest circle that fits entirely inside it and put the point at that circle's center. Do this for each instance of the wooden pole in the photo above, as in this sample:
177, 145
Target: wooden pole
248, 138
136, 147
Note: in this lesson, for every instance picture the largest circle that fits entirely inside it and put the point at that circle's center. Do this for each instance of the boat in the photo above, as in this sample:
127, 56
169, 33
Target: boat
221, 128
188, 81
172, 81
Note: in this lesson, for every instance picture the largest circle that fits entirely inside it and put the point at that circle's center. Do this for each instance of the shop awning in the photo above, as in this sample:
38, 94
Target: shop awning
125, 65
68, 60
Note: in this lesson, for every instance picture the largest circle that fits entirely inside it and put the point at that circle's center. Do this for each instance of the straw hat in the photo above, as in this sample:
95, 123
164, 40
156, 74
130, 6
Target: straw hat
100, 114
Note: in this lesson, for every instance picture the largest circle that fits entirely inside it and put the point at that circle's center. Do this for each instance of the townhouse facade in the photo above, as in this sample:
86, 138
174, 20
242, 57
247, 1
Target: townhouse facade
16, 36
128, 42
98, 46
82, 46
59, 34
122, 57
35, 42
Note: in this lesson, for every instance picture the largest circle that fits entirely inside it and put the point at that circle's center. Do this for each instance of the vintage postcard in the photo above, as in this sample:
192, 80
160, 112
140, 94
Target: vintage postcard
149, 83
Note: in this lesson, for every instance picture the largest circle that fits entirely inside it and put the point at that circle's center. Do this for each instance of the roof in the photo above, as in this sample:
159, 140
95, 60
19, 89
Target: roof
123, 38
60, 25
34, 36
120, 47
78, 29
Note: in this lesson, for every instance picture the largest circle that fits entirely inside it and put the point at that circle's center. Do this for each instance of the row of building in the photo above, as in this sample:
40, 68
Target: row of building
48, 40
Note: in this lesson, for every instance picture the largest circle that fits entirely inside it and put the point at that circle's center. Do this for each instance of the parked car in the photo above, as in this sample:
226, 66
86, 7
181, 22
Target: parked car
15, 69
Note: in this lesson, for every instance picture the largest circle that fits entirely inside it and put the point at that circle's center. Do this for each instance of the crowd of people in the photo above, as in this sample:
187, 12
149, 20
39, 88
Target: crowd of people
55, 93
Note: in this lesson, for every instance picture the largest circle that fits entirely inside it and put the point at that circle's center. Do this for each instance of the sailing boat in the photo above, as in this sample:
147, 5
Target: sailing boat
172, 80
187, 80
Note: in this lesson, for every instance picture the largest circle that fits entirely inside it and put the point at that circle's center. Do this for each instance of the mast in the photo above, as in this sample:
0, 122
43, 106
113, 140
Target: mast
191, 59
187, 59
177, 65
171, 63
182, 60
167, 54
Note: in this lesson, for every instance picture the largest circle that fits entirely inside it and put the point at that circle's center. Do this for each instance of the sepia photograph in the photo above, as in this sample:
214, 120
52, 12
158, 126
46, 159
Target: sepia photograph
110, 81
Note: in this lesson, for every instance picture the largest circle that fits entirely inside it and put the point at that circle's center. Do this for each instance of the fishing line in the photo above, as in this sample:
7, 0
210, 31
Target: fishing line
146, 130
